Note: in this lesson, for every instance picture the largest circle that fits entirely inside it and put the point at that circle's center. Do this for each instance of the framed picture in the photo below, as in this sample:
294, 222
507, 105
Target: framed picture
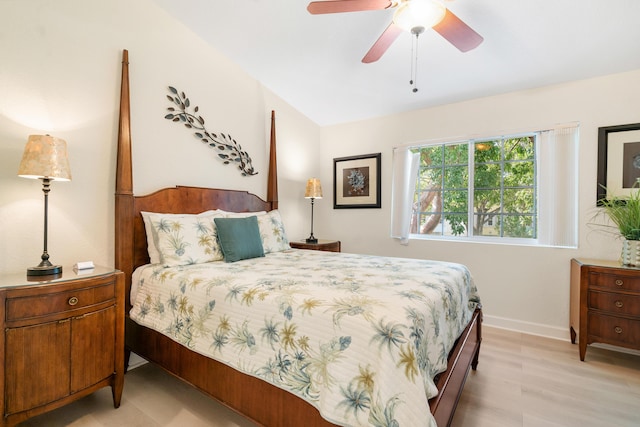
618, 160
356, 182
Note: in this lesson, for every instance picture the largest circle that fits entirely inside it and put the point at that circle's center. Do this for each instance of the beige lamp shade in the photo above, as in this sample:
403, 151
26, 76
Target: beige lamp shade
45, 157
314, 189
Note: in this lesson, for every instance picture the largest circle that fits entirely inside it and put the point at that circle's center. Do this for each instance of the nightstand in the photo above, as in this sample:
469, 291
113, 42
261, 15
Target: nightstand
63, 338
605, 304
322, 245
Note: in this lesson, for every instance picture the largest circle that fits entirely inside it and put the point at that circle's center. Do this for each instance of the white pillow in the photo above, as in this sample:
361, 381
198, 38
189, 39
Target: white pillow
180, 239
154, 255
274, 238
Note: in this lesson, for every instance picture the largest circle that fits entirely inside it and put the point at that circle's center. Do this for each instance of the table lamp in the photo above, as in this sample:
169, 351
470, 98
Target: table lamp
313, 191
45, 158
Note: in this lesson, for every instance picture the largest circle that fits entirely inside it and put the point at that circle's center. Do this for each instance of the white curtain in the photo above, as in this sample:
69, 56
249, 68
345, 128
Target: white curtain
405, 173
558, 186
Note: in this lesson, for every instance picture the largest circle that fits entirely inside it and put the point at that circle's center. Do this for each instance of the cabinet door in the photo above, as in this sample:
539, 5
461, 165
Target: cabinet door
37, 365
92, 348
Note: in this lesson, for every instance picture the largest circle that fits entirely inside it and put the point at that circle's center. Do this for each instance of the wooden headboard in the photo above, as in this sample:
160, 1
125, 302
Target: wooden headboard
130, 236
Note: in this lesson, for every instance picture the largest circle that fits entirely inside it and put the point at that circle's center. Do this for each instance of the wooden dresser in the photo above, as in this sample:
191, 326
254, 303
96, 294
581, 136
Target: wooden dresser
63, 338
605, 304
322, 245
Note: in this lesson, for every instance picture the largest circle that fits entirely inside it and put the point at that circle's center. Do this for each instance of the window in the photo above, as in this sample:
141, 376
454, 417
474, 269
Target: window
477, 188
520, 188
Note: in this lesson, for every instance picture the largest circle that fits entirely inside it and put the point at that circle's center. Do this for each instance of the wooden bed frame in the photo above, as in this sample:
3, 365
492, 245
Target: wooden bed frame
257, 400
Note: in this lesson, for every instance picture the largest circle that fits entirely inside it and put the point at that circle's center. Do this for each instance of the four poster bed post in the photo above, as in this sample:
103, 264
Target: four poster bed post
248, 395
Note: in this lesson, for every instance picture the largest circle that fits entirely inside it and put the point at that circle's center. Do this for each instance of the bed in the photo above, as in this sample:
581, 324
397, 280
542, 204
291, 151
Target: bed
261, 389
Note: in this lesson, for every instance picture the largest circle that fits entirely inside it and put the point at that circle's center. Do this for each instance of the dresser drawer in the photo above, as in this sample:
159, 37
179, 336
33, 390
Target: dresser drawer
615, 303
619, 282
35, 306
614, 330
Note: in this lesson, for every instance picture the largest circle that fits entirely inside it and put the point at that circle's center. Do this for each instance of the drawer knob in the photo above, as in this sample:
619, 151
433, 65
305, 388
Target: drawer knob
73, 300
619, 282
618, 329
619, 304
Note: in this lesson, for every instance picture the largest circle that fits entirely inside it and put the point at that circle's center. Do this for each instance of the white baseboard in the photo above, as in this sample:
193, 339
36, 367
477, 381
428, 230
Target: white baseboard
527, 327
543, 331
614, 348
135, 361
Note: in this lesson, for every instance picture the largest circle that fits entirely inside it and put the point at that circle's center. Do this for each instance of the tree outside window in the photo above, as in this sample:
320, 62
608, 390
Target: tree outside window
489, 183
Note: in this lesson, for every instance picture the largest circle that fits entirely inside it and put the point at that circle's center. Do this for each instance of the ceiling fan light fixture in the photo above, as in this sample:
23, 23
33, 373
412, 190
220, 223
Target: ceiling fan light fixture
418, 13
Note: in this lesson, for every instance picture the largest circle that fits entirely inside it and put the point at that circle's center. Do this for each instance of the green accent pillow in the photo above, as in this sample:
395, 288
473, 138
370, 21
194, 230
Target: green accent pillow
239, 238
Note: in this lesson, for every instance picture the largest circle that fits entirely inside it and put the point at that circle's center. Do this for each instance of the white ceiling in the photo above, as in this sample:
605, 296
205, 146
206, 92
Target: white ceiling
314, 61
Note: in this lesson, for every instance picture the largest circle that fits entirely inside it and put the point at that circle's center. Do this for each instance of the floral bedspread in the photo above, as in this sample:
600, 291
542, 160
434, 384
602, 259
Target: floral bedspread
359, 337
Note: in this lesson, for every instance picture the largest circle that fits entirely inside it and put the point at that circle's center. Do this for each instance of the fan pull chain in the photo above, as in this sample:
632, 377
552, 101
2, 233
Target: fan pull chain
416, 31
414, 62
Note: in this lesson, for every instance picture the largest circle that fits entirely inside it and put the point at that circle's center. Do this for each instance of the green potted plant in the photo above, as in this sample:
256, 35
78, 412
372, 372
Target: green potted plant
624, 212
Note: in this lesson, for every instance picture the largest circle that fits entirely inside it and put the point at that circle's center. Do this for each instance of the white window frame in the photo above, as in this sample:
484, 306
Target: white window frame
556, 183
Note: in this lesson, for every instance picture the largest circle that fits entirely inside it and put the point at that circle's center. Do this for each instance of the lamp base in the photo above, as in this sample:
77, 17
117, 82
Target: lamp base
312, 240
46, 270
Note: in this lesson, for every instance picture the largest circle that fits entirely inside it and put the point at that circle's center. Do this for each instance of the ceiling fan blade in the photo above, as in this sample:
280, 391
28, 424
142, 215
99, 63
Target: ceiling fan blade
382, 44
339, 6
458, 33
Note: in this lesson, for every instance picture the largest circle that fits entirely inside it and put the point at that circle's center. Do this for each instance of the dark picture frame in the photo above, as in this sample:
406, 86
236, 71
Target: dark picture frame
618, 160
356, 181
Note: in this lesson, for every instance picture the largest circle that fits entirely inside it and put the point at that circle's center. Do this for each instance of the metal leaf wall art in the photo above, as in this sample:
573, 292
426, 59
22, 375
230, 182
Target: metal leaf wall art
229, 151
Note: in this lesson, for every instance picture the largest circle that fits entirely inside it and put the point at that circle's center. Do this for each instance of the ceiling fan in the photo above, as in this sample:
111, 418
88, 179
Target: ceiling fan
411, 15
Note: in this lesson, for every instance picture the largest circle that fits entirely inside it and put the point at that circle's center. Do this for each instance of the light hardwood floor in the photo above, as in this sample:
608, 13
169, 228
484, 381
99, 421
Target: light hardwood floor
522, 380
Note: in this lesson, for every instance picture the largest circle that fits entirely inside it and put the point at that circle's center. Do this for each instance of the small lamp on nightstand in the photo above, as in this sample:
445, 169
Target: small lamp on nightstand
313, 191
45, 158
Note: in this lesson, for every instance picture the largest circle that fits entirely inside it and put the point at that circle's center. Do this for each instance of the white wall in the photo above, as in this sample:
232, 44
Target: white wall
525, 288
60, 74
